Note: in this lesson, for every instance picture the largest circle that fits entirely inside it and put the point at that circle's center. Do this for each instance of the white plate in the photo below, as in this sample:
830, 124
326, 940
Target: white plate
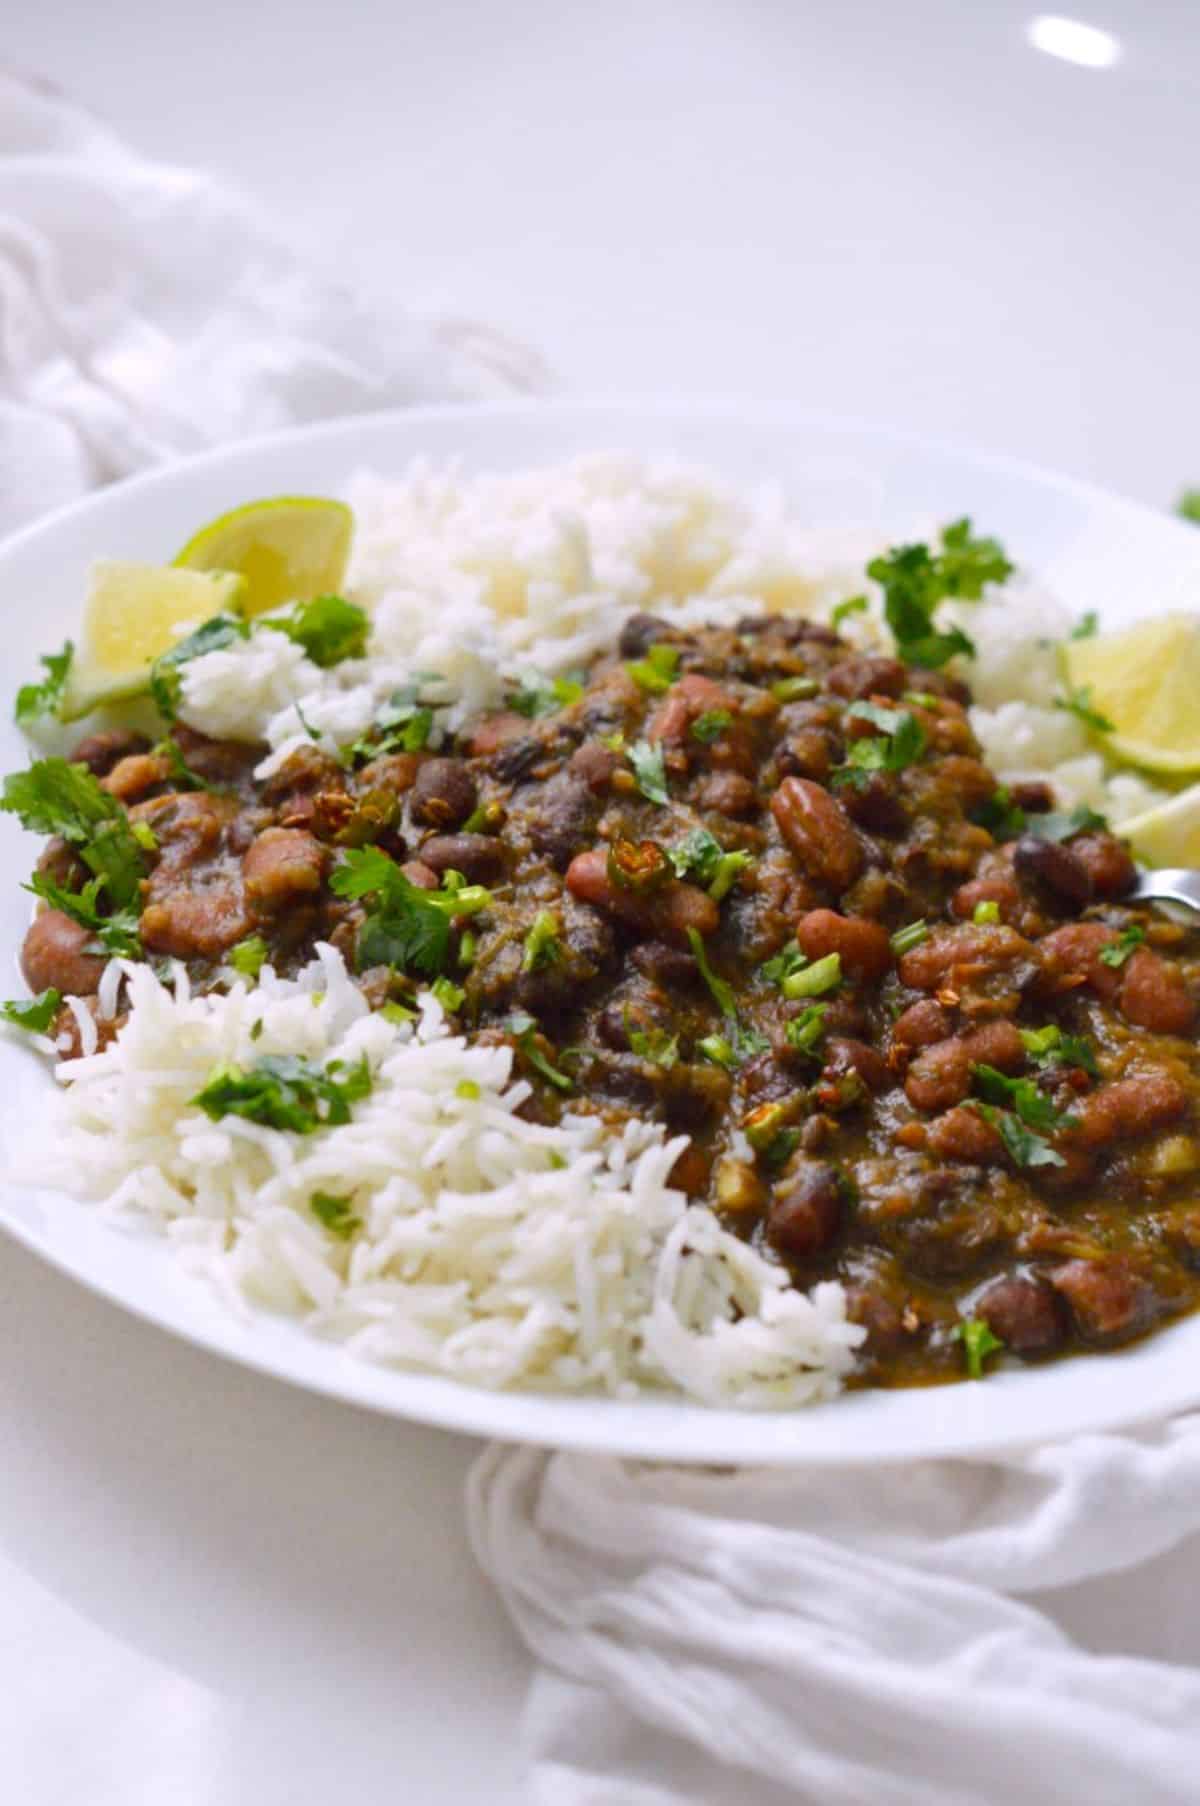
1097, 551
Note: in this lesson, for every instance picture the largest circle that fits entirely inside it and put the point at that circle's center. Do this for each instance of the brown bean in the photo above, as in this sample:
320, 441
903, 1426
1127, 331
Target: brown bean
1032, 795
1108, 1300
1001, 889
667, 965
420, 874
818, 831
1071, 956
1155, 995
282, 865
587, 878
479, 857
494, 732
680, 907
1025, 1312
805, 754
879, 1316
962, 1134
443, 794
997, 1044
876, 805
1108, 863
53, 956
640, 632
668, 913
806, 1210
100, 752
391, 771
864, 947
866, 674
844, 1055
131, 777
940, 1077
195, 924
729, 793
1133, 1106
921, 1025
687, 700
1056, 867
595, 764
969, 779
973, 948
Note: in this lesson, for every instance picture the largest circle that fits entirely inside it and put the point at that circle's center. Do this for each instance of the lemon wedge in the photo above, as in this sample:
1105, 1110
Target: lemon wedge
134, 612
1145, 680
289, 548
1168, 834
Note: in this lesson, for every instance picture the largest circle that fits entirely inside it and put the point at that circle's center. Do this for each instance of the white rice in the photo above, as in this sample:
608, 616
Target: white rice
499, 1251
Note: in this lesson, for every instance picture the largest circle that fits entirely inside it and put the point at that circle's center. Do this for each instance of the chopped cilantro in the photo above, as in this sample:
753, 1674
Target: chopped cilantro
115, 932
780, 1150
1051, 1046
701, 856
653, 1044
1078, 702
542, 944
1086, 627
525, 1029
211, 636
1024, 1146
814, 980
721, 991
656, 672
853, 605
34, 1013
285, 1091
1033, 1107
649, 770
249, 956
37, 699
448, 994
1060, 824
978, 1343
181, 773
788, 960
986, 914
899, 743
1129, 939
922, 699
336, 1214
915, 581
329, 628
403, 724
804, 1031
711, 725
910, 936
537, 695
408, 927
718, 1051
1000, 815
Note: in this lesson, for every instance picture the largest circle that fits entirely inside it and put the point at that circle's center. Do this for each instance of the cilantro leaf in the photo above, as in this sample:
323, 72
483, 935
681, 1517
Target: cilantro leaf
899, 743
286, 1091
1002, 818
539, 695
403, 724
1078, 702
211, 636
38, 699
711, 725
978, 1342
1126, 943
656, 672
33, 1013
329, 628
524, 1029
782, 964
335, 1214
1058, 824
249, 956
853, 605
696, 856
1086, 627
116, 932
649, 770
1052, 1046
54, 797
408, 928
654, 1045
1033, 1107
915, 580
1024, 1146
1188, 506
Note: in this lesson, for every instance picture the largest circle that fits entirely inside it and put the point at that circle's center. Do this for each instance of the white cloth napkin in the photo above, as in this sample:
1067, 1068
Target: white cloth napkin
147, 312
752, 1638
767, 1636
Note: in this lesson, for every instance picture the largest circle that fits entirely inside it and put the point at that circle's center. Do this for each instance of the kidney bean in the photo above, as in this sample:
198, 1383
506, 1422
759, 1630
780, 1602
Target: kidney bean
1137, 1105
494, 732
595, 764
921, 1025
876, 805
640, 632
100, 752
805, 754
1155, 996
391, 771
865, 674
1056, 867
281, 865
818, 831
1108, 863
667, 965
1108, 1300
1000, 890
845, 1055
1032, 795
1025, 1312
962, 1134
479, 857
132, 776
980, 946
1071, 955
806, 1209
940, 1076
729, 793
53, 956
863, 946
996, 1044
879, 1316
686, 701
443, 795
968, 778
678, 907
670, 911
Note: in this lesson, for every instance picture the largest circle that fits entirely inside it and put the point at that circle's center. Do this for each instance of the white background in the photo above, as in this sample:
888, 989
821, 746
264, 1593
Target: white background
216, 1592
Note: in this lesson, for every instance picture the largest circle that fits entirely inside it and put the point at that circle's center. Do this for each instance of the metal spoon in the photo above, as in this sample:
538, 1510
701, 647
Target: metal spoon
1168, 887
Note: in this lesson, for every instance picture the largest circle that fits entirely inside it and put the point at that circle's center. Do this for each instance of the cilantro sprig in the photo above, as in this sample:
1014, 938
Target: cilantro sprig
54, 797
329, 628
34, 1014
165, 682
898, 744
701, 856
1127, 942
36, 700
286, 1091
915, 580
649, 771
979, 1341
538, 695
405, 927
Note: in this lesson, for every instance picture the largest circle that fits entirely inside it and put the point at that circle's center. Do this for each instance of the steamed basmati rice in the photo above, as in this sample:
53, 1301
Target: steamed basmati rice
503, 1252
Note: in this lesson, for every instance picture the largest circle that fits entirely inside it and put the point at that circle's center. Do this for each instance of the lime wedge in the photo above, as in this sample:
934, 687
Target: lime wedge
1145, 680
1168, 834
133, 613
289, 548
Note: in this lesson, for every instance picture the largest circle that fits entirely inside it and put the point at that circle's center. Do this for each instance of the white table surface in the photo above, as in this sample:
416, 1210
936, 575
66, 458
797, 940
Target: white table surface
215, 1591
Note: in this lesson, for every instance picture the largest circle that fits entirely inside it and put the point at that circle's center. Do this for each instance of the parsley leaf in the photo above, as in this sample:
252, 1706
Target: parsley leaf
286, 1091
539, 695
1078, 702
336, 1214
656, 672
711, 725
649, 770
329, 628
408, 927
853, 605
1024, 1146
899, 743
34, 1013
1129, 939
37, 699
211, 636
978, 1343
915, 580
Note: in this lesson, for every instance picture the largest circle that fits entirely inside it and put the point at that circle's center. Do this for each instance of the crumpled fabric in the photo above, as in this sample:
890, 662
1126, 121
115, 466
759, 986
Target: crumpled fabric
853, 1637
147, 312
